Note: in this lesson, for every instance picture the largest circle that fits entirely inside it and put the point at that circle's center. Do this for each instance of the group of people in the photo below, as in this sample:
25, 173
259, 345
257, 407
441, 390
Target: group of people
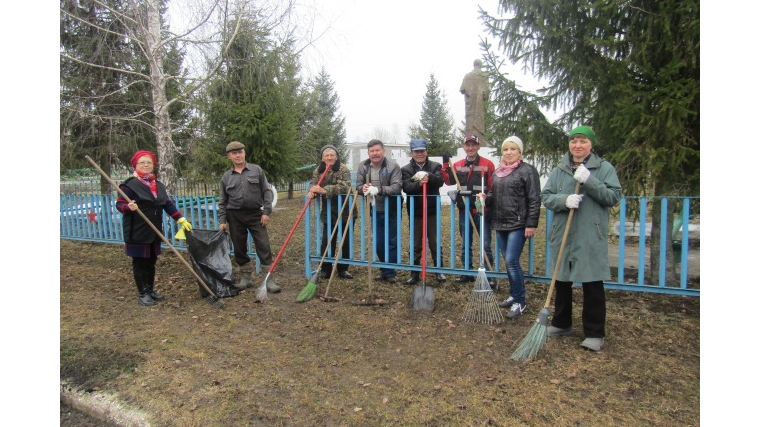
508, 196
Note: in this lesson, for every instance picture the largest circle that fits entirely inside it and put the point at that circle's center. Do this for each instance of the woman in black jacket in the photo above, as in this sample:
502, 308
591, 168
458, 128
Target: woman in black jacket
141, 242
515, 206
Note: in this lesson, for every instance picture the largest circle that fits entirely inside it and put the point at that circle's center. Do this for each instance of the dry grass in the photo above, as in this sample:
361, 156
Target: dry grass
186, 363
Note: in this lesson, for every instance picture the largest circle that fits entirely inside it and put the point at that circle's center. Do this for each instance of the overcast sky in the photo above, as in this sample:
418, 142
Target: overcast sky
380, 56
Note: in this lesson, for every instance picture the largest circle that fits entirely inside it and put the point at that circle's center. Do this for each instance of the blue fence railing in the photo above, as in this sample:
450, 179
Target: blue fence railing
93, 217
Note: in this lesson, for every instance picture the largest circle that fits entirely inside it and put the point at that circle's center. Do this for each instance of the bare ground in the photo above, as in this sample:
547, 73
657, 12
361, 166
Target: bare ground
186, 363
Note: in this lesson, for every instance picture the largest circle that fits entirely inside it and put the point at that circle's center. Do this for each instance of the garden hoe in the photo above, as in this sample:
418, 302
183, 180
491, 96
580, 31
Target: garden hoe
211, 298
371, 299
423, 296
324, 297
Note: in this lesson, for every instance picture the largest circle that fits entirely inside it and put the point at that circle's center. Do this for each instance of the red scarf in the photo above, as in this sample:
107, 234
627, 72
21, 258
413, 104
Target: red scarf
148, 179
504, 169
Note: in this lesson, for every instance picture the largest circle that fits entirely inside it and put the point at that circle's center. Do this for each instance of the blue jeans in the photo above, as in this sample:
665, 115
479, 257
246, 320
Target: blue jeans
392, 233
467, 241
510, 245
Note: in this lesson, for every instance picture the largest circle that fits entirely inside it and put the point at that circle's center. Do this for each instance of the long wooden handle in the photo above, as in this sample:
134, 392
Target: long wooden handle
335, 230
156, 230
352, 190
368, 227
561, 249
469, 215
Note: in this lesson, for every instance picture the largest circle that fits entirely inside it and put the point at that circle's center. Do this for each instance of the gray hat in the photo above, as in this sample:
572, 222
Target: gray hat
329, 147
234, 145
418, 144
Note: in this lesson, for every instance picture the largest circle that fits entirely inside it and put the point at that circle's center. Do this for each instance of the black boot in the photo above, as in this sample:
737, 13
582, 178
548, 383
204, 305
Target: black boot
153, 294
150, 279
413, 278
144, 298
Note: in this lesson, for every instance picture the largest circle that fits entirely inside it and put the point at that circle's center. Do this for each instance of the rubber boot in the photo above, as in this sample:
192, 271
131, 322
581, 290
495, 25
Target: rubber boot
245, 276
271, 285
245, 280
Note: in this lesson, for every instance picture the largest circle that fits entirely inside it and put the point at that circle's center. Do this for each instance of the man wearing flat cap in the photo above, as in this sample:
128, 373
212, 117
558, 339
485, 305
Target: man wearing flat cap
422, 171
245, 205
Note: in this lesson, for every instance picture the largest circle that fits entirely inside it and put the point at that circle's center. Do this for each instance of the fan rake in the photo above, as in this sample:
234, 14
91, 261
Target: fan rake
482, 306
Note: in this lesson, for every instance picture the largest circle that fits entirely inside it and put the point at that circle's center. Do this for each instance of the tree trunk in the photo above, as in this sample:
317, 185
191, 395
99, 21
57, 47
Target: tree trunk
164, 143
104, 161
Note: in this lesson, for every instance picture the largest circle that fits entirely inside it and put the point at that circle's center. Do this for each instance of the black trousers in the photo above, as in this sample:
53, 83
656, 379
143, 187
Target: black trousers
594, 307
144, 271
241, 222
432, 240
345, 250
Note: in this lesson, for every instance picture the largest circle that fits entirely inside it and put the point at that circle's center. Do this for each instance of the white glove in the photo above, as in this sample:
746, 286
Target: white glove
371, 191
573, 201
581, 174
419, 175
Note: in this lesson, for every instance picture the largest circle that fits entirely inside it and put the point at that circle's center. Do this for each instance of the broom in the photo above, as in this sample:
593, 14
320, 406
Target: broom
261, 292
210, 298
536, 338
482, 306
310, 289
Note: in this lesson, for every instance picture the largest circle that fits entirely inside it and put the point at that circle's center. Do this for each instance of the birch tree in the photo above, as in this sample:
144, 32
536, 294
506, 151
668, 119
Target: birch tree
142, 24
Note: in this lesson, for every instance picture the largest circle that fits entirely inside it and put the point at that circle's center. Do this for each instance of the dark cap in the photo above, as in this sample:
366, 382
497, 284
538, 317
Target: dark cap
471, 138
234, 145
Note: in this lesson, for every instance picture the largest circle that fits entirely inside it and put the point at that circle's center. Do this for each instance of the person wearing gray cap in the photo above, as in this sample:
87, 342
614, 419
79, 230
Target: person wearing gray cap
245, 205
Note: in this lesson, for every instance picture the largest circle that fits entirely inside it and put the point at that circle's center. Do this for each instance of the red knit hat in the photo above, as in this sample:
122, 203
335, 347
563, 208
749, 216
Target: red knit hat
142, 153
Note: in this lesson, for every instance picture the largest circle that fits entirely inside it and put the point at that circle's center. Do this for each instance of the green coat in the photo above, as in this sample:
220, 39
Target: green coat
585, 258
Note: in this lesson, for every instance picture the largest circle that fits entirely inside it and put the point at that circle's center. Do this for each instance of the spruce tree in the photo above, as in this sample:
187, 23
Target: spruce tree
436, 123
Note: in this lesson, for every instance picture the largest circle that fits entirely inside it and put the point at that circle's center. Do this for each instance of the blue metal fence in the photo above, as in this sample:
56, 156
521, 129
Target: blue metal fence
93, 217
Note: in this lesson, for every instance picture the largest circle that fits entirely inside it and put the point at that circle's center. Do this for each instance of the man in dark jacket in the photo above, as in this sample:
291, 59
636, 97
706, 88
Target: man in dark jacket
467, 173
379, 178
245, 204
422, 171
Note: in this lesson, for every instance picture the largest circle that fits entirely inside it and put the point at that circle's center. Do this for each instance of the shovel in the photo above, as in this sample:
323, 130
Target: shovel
423, 296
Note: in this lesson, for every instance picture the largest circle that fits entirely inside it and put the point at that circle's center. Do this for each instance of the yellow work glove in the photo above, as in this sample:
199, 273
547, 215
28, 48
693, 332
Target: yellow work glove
184, 226
180, 234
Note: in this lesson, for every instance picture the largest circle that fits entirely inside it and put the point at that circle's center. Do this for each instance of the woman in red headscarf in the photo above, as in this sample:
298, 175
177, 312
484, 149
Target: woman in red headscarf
141, 242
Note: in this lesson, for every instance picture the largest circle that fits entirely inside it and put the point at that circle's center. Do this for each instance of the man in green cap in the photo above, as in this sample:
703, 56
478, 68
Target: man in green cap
245, 205
585, 258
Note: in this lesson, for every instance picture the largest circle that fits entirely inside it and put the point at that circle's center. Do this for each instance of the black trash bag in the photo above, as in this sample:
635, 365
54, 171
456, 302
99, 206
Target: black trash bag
210, 255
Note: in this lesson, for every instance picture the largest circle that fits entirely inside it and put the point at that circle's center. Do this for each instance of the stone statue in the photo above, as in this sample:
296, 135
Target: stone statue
475, 90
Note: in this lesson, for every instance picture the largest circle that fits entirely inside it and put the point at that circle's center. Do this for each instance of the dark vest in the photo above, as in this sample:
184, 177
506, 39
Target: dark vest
136, 230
